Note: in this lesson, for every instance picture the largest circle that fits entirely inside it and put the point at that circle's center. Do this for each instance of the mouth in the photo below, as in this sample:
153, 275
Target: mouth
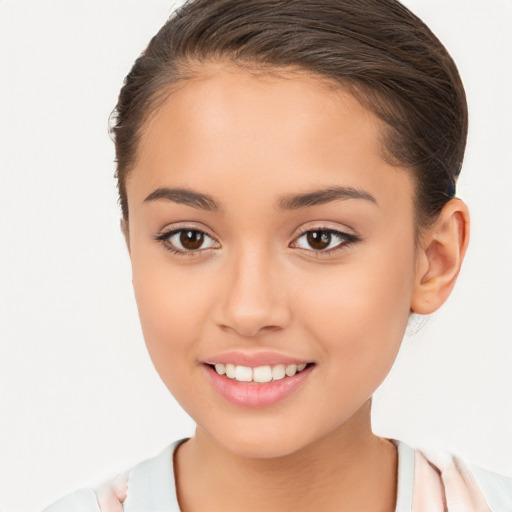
259, 386
259, 374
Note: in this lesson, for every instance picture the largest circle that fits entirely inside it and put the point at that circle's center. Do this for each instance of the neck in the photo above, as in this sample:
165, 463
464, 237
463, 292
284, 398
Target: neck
349, 469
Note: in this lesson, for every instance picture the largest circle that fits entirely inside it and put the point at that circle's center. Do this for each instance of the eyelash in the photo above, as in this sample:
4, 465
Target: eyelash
164, 239
346, 240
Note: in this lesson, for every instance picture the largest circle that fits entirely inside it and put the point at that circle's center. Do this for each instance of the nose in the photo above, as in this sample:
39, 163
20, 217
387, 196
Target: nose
253, 298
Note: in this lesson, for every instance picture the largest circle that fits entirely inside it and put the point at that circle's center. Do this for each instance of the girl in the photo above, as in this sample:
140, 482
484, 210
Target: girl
287, 176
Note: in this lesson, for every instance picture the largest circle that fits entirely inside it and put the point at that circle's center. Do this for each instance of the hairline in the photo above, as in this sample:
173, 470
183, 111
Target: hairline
190, 69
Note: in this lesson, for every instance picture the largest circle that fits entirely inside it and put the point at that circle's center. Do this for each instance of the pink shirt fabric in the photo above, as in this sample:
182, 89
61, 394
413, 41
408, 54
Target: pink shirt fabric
427, 482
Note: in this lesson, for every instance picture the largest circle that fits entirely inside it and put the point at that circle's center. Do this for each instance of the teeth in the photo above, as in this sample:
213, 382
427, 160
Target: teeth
230, 371
291, 370
279, 372
260, 374
243, 374
220, 369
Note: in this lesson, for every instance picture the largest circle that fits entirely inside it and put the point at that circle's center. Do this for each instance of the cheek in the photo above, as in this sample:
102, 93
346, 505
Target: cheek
359, 311
173, 306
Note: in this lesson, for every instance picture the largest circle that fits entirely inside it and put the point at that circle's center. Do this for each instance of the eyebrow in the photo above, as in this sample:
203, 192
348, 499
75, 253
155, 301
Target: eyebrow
318, 197
185, 196
291, 202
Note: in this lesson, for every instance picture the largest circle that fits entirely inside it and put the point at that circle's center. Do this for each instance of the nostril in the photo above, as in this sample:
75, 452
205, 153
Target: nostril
247, 329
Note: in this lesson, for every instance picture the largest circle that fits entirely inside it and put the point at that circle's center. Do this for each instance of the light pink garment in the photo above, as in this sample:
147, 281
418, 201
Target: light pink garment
112, 494
446, 485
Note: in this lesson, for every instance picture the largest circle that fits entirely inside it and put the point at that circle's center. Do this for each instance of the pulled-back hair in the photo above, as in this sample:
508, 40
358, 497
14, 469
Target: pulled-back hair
376, 49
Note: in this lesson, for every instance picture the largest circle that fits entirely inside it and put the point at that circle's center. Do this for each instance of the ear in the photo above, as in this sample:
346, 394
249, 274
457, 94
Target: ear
442, 249
126, 233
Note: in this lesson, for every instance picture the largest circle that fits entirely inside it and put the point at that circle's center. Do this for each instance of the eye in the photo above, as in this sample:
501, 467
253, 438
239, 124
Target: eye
324, 240
187, 241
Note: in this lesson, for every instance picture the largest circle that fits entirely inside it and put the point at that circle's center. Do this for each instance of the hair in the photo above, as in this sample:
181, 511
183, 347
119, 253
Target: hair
375, 49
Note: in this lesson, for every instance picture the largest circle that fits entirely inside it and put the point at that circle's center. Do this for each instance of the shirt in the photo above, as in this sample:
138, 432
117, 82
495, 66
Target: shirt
427, 482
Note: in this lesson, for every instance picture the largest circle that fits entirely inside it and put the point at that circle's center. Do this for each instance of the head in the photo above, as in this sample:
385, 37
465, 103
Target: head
378, 51
301, 157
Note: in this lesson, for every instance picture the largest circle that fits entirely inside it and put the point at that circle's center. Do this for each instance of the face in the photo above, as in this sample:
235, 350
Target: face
268, 236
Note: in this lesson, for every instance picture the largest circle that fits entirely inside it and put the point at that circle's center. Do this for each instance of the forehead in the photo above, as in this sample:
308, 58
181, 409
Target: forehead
291, 131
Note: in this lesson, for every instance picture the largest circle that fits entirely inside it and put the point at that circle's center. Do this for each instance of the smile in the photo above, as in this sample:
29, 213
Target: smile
260, 374
258, 386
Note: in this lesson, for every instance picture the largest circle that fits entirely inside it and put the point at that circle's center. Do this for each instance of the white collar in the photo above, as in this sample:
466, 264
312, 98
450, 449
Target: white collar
150, 485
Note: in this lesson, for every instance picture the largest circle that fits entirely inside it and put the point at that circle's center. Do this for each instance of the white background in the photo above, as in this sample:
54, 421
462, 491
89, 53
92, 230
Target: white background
79, 399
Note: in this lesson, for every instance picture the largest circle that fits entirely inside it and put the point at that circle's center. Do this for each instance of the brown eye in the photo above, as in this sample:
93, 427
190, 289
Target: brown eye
324, 241
187, 241
191, 239
319, 240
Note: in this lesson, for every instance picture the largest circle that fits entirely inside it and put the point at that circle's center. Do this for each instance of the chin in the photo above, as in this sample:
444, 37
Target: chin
262, 441
258, 448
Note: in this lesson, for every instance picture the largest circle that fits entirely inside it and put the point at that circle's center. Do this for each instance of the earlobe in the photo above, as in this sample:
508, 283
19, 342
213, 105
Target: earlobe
440, 257
126, 233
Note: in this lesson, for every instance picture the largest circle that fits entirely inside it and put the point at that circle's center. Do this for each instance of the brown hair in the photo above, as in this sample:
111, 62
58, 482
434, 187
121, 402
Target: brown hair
377, 49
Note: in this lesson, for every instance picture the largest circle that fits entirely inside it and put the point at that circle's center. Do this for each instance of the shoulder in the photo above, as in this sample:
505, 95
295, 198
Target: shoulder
149, 485
107, 497
440, 477
83, 500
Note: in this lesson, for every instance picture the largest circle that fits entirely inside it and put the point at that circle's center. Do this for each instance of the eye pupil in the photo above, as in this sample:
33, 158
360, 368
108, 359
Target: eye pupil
191, 239
319, 239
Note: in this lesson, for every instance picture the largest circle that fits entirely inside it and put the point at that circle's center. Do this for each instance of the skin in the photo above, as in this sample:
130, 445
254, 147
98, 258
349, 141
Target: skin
256, 283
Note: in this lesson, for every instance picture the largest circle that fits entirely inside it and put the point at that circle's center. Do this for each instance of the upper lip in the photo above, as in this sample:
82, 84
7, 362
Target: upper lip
254, 359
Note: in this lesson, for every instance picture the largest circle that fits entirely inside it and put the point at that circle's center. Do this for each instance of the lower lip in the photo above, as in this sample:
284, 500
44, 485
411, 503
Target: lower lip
254, 395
